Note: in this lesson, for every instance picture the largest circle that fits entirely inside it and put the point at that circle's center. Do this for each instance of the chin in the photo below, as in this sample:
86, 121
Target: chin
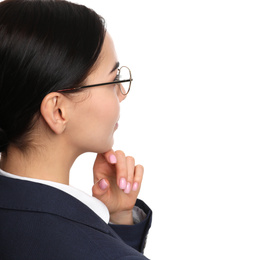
105, 148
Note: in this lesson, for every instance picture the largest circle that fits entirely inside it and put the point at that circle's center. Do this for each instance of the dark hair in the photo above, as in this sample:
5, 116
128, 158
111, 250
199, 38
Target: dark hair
45, 46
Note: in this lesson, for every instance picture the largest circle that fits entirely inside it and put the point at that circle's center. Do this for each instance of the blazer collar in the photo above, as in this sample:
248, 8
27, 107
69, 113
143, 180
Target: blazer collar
94, 204
35, 197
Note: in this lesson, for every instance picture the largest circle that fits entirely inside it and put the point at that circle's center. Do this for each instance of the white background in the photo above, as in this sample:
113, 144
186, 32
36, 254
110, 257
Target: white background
192, 119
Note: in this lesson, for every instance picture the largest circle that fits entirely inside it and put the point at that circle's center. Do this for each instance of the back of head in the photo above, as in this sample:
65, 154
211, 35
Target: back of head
45, 46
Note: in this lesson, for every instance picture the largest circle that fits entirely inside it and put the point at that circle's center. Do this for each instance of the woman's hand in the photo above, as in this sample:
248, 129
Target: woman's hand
117, 183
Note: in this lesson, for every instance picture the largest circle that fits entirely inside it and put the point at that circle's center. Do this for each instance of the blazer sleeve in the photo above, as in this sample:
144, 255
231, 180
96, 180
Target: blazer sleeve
136, 235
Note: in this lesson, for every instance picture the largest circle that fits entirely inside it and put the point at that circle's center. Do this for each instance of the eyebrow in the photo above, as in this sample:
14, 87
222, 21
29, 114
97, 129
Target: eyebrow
115, 67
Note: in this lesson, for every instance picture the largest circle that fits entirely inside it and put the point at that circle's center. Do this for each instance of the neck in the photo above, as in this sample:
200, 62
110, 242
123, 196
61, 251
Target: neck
52, 163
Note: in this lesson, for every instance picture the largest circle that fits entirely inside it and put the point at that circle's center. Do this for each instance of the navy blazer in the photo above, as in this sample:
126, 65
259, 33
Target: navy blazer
41, 222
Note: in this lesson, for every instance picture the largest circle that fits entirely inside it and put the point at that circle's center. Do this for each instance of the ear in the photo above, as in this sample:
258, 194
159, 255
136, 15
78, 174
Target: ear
54, 112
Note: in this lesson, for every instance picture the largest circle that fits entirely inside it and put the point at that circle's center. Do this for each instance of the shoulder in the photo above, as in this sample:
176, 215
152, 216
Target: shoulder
44, 236
38, 222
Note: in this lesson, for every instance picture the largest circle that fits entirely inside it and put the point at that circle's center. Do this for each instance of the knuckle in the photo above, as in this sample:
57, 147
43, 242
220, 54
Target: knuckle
130, 159
120, 153
140, 167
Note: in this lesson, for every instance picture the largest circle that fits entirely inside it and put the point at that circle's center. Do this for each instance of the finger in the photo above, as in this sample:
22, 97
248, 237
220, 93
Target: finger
99, 162
130, 163
100, 188
121, 170
139, 172
111, 157
103, 161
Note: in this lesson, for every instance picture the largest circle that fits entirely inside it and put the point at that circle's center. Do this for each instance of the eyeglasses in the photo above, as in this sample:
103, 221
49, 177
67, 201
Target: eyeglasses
123, 79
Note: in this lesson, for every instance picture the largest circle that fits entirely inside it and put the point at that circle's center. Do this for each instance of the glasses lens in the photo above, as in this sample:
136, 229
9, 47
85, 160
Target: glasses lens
125, 75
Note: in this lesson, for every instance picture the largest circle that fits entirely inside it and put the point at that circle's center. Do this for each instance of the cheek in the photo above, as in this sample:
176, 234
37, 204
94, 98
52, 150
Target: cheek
103, 126
108, 113
96, 125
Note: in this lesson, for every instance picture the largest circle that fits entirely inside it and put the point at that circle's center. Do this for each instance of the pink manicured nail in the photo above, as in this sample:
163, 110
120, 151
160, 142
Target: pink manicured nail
135, 186
102, 184
122, 183
128, 188
112, 158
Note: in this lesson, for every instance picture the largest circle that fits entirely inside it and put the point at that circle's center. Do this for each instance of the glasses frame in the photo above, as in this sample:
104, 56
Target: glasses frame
106, 83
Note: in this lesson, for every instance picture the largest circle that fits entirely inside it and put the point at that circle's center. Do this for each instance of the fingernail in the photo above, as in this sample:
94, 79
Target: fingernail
102, 184
128, 188
112, 158
122, 183
135, 186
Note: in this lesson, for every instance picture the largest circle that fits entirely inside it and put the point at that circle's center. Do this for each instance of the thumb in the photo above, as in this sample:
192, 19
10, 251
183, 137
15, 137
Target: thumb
100, 188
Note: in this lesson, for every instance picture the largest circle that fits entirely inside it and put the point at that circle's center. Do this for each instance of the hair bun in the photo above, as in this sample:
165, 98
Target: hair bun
3, 140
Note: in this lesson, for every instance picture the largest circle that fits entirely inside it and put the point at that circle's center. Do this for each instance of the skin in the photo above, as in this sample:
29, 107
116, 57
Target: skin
79, 123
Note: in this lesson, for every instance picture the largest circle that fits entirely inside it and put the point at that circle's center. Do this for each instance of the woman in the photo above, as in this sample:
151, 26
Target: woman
60, 94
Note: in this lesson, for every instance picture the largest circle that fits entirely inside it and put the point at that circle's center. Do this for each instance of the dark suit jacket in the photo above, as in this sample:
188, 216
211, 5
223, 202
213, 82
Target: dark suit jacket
41, 222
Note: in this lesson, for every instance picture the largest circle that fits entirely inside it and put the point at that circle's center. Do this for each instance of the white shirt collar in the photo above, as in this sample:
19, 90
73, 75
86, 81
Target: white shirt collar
94, 204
